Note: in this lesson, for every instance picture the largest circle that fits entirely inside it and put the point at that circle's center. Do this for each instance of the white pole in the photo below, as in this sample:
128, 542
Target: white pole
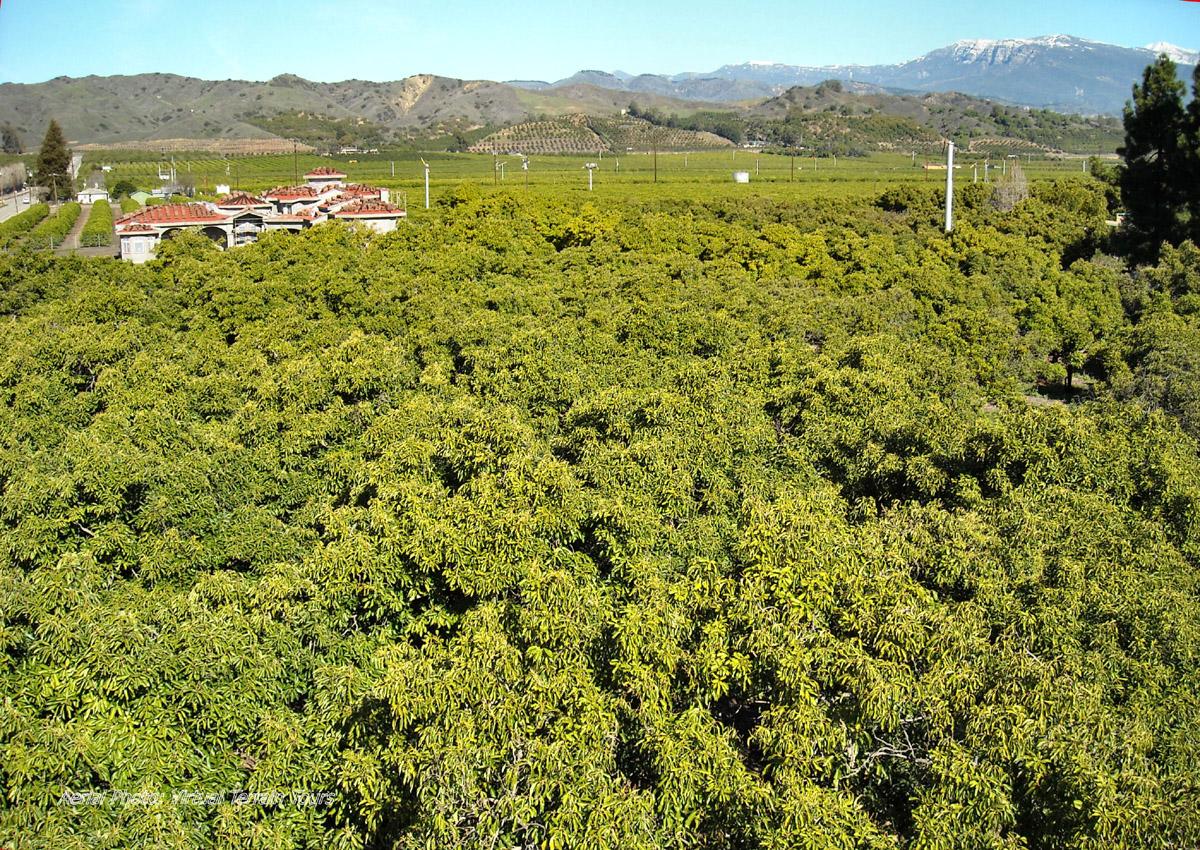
950, 187
589, 179
427, 187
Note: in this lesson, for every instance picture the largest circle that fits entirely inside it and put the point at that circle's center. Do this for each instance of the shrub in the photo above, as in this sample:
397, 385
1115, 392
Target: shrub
53, 230
99, 228
23, 222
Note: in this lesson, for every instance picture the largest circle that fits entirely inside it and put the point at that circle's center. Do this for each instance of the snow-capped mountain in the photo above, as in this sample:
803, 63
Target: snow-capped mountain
1060, 72
1178, 54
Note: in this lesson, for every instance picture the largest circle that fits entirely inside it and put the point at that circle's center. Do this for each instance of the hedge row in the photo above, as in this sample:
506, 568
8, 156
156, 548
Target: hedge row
99, 228
22, 222
53, 230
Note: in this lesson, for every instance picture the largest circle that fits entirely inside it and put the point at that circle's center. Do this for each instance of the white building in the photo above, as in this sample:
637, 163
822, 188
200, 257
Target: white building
241, 218
92, 194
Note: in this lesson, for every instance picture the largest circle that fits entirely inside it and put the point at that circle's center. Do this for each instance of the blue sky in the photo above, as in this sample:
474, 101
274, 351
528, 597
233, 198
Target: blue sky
384, 40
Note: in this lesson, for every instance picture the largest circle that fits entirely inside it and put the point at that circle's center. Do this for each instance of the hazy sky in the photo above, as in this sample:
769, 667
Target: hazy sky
384, 40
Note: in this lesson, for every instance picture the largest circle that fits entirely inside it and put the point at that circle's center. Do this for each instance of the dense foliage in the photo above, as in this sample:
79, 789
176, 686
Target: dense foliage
99, 228
322, 131
53, 171
10, 141
709, 524
53, 230
23, 222
1161, 161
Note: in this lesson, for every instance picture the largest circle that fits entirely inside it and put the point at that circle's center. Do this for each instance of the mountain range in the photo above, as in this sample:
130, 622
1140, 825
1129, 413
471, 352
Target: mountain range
1059, 72
1063, 73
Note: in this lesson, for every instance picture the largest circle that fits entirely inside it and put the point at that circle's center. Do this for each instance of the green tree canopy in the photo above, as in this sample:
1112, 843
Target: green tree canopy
54, 162
1156, 151
10, 142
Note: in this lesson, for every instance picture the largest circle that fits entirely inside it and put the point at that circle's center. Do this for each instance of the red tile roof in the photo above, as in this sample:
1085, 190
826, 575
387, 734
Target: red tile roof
176, 214
303, 215
325, 171
138, 228
241, 199
290, 193
359, 190
369, 209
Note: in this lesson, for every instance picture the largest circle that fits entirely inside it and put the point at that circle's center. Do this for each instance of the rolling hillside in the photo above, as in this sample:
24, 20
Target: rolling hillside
584, 134
188, 113
165, 106
942, 115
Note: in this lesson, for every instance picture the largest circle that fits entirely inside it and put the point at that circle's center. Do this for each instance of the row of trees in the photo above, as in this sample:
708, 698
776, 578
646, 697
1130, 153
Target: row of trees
724, 124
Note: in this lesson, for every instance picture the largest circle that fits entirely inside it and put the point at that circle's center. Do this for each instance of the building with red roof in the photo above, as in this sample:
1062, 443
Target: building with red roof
380, 216
324, 177
140, 232
240, 218
242, 201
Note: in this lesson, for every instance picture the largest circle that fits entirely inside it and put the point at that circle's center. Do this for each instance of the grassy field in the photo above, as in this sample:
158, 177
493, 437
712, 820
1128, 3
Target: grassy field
771, 175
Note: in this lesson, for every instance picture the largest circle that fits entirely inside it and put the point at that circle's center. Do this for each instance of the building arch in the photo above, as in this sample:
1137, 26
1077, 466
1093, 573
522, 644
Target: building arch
217, 234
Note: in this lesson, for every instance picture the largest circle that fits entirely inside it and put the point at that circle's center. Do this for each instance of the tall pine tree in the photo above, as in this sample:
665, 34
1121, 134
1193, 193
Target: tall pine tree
1192, 159
54, 163
1154, 181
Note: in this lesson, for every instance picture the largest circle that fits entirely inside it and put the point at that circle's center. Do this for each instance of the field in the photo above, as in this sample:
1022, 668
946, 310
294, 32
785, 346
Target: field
686, 516
625, 175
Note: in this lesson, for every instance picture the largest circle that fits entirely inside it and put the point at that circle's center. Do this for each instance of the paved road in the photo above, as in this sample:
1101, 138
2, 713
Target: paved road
10, 205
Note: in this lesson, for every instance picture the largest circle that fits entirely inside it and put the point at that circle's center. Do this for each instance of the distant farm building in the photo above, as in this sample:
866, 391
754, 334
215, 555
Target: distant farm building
240, 218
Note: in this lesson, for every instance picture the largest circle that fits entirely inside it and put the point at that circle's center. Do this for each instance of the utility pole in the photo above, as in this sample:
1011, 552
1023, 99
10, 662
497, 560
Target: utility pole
656, 159
295, 165
426, 164
792, 179
949, 186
